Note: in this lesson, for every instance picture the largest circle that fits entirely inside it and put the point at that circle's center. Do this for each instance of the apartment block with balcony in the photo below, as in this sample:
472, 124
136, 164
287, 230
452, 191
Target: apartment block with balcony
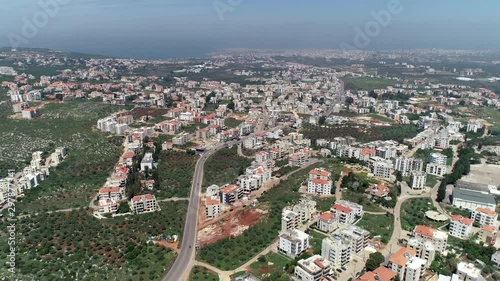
484, 216
293, 243
460, 226
315, 268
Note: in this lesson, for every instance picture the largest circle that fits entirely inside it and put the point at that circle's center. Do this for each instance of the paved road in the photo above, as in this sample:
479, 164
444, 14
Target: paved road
185, 260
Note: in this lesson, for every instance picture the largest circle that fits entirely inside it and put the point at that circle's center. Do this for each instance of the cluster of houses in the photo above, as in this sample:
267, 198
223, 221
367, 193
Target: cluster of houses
113, 192
17, 184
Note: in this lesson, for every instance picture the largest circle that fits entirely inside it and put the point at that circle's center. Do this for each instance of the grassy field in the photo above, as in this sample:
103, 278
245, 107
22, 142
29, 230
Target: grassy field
272, 263
175, 172
77, 246
199, 273
378, 225
381, 118
224, 167
324, 204
432, 180
413, 213
315, 240
232, 123
228, 254
367, 83
91, 154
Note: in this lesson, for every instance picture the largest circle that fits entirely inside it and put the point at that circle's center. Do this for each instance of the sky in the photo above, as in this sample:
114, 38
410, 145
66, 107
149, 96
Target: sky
157, 29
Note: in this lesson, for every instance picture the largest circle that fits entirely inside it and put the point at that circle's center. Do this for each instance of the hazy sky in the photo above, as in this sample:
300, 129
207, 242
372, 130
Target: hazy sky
176, 28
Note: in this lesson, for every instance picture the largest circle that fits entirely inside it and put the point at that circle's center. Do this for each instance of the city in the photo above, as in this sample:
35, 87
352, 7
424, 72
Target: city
250, 164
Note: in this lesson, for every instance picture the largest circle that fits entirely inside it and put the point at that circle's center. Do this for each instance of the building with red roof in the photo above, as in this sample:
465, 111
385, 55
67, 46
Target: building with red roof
143, 204
460, 226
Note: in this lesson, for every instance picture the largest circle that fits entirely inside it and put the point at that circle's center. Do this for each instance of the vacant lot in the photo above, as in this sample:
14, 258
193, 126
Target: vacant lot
175, 172
199, 273
367, 83
91, 154
224, 167
378, 225
271, 264
77, 246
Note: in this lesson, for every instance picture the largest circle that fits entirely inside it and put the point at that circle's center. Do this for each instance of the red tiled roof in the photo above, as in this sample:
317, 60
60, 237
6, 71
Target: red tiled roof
424, 230
402, 256
489, 212
461, 219
342, 208
326, 216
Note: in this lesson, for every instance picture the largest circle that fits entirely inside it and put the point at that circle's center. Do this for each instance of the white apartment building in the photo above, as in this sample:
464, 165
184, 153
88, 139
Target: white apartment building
319, 187
337, 250
398, 261
305, 208
143, 203
344, 214
468, 272
436, 169
383, 169
357, 236
418, 180
425, 249
327, 222
415, 269
460, 226
495, 258
357, 208
312, 269
484, 216
293, 243
289, 220
147, 162
437, 237
212, 207
438, 158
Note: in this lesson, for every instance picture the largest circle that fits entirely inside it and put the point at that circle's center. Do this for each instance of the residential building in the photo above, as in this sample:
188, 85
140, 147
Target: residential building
337, 250
327, 222
468, 272
383, 169
319, 187
471, 200
418, 180
344, 214
293, 243
212, 207
437, 237
495, 258
357, 236
436, 169
230, 194
488, 235
415, 269
381, 273
312, 269
425, 249
305, 208
460, 226
378, 190
107, 206
438, 158
357, 208
484, 216
289, 220
143, 203
147, 162
398, 261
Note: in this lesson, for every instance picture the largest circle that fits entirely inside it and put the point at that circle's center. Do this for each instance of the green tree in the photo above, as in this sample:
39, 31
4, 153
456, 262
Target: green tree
374, 261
